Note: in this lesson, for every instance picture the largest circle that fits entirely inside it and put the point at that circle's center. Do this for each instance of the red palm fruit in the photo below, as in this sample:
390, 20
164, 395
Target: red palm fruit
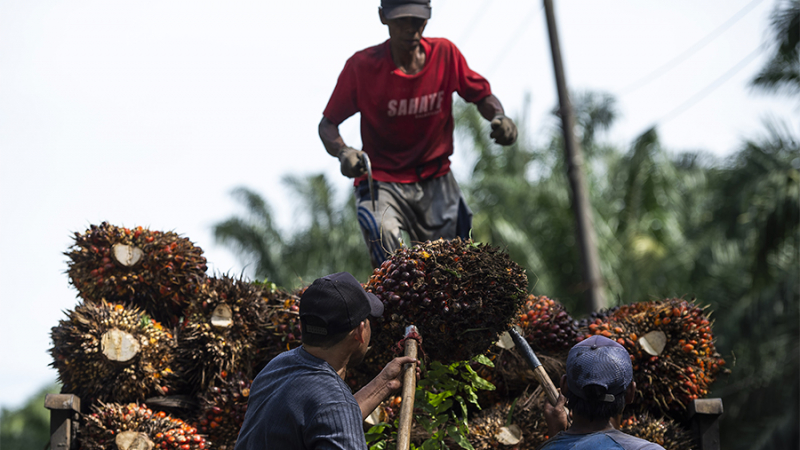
224, 404
546, 325
224, 325
672, 350
106, 351
460, 295
157, 271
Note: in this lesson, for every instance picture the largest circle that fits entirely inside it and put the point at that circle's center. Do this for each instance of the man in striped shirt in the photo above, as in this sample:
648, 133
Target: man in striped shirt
300, 399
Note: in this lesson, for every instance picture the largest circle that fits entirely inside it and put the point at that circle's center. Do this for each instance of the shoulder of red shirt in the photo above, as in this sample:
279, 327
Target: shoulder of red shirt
381, 51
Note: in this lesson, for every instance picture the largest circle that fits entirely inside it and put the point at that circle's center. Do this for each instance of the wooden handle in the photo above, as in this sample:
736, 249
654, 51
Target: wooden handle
547, 384
407, 403
535, 365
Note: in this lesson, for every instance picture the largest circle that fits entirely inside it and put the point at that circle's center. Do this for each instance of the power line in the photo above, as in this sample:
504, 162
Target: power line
475, 19
710, 88
669, 65
514, 39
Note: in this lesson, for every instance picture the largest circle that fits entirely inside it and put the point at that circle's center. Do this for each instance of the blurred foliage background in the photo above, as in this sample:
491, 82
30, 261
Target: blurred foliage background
668, 224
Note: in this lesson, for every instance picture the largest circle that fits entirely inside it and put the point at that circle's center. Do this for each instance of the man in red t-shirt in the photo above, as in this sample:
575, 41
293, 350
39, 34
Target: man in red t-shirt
403, 89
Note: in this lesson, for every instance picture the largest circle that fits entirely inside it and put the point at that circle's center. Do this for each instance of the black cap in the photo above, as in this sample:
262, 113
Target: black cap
599, 361
336, 303
395, 9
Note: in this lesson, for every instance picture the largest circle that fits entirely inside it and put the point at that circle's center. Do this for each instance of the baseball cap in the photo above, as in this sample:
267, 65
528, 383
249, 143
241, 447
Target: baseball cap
598, 361
336, 303
395, 9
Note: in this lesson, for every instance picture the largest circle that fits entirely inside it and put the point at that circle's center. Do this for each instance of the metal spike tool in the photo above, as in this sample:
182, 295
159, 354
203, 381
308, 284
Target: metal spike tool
368, 166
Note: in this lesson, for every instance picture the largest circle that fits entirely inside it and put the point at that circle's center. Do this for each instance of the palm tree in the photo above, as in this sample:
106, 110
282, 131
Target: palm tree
760, 221
782, 71
328, 241
332, 240
253, 237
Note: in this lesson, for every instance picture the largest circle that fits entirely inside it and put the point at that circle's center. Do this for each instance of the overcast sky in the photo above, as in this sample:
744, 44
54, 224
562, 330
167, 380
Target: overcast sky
150, 112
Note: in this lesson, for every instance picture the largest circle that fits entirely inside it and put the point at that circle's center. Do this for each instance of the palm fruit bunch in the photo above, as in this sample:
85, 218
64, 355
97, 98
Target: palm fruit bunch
389, 409
223, 408
224, 326
108, 351
158, 271
664, 432
282, 331
603, 315
672, 350
547, 326
517, 424
460, 295
134, 427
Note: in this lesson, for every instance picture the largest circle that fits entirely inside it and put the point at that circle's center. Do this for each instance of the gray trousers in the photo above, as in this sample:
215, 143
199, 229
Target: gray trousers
426, 210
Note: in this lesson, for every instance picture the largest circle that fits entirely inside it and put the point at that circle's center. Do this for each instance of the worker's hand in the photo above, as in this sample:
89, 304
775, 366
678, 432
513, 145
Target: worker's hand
556, 416
504, 132
392, 373
352, 165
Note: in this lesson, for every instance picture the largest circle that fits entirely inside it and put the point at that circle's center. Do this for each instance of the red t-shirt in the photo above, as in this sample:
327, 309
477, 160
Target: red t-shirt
406, 120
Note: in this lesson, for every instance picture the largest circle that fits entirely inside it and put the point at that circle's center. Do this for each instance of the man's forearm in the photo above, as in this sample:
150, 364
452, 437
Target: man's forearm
371, 395
490, 107
331, 139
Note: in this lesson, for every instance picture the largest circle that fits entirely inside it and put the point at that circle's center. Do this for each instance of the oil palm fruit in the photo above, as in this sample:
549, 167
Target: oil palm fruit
664, 432
158, 271
672, 350
282, 331
459, 294
517, 424
106, 351
223, 408
135, 427
547, 326
225, 322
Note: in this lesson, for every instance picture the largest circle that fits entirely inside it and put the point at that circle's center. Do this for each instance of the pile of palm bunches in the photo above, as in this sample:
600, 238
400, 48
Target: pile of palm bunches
223, 408
524, 429
667, 381
664, 432
109, 351
459, 294
224, 326
134, 426
158, 271
547, 326
282, 331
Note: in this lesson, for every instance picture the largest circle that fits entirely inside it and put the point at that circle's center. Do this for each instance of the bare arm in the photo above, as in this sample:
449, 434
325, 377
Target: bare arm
388, 381
331, 139
490, 107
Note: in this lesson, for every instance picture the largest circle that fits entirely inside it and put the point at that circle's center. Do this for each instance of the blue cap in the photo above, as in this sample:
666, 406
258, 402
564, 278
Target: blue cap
336, 303
598, 361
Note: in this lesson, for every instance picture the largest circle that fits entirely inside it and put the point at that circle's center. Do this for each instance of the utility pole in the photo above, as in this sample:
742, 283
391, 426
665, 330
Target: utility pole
590, 262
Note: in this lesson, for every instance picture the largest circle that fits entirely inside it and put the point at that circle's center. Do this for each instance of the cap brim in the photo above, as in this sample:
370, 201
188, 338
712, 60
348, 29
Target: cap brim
375, 305
420, 11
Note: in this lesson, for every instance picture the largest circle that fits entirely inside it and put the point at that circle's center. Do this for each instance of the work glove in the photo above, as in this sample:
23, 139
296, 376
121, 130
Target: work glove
352, 166
504, 132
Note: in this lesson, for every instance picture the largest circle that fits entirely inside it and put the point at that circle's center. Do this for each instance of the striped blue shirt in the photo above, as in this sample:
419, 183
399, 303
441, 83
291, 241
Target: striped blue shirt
299, 402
